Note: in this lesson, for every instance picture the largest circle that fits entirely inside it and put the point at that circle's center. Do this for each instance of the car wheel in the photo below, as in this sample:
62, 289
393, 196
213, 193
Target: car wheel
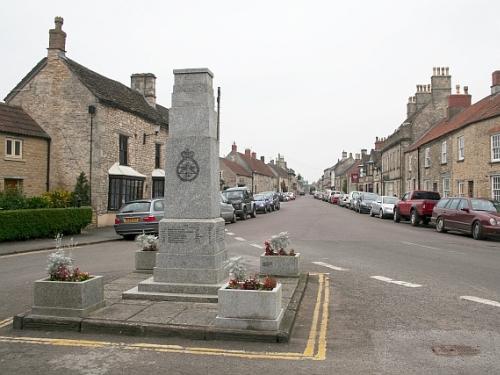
414, 219
440, 225
265, 210
129, 237
477, 231
233, 220
244, 214
371, 213
254, 213
397, 217
381, 214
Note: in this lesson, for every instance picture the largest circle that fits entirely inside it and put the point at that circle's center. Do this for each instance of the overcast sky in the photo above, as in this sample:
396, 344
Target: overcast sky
306, 79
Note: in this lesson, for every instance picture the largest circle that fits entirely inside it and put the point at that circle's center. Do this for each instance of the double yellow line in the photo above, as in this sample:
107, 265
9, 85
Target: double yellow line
315, 348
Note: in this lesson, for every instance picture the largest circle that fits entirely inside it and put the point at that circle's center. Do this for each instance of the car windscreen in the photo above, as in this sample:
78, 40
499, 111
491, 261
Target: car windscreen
484, 205
370, 197
233, 194
259, 197
427, 195
136, 207
390, 200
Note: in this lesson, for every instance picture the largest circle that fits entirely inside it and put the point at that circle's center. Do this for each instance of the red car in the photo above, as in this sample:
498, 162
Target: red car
476, 216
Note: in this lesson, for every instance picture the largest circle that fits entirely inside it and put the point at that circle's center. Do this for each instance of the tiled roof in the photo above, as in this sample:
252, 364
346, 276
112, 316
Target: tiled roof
486, 108
235, 167
14, 120
108, 91
257, 165
279, 171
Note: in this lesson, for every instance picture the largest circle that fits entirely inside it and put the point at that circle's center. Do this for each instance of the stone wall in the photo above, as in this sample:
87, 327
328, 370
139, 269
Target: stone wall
31, 168
262, 183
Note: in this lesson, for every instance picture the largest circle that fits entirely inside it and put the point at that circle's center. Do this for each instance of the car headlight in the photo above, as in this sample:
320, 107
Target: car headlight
493, 221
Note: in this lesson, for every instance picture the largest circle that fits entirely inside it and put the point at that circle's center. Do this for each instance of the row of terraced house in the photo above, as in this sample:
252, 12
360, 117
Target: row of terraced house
446, 144
63, 118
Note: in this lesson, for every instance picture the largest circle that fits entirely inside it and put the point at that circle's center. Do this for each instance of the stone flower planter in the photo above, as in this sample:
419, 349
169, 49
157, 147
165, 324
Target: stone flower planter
145, 261
249, 309
66, 298
279, 265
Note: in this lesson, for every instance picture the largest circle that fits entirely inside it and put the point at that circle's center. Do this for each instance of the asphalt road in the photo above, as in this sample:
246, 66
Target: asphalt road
395, 293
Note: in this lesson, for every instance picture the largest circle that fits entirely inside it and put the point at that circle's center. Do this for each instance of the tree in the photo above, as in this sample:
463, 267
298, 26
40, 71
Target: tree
82, 190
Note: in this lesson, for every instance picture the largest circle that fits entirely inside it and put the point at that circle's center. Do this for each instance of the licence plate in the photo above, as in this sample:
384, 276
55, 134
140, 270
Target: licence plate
131, 220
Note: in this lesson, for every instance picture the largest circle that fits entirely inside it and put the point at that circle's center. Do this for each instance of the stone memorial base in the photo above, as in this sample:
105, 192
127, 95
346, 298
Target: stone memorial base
190, 264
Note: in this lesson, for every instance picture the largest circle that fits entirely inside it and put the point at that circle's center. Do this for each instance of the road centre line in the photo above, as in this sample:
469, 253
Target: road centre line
481, 300
331, 266
315, 349
419, 245
397, 282
239, 239
230, 233
257, 246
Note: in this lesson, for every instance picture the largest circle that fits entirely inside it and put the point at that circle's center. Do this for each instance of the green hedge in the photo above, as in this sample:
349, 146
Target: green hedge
42, 222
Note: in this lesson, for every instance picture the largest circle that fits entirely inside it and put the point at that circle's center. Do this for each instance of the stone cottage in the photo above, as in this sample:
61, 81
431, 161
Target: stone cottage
460, 156
25, 152
233, 174
114, 133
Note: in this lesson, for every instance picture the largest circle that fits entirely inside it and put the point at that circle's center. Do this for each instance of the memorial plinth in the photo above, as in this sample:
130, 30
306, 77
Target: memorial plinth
190, 261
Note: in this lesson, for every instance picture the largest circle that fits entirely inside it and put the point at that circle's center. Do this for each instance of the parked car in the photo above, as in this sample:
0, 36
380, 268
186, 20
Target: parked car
475, 216
227, 210
383, 207
275, 201
334, 198
343, 199
139, 216
365, 200
416, 206
353, 200
242, 200
262, 203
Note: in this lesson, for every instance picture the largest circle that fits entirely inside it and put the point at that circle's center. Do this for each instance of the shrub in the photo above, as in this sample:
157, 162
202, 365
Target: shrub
12, 199
43, 222
81, 193
59, 198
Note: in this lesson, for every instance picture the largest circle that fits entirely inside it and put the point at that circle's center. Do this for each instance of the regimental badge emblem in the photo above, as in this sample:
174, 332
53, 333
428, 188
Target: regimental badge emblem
187, 169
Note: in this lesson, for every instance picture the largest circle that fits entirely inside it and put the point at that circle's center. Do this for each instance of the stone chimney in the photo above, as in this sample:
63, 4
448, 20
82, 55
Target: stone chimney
363, 151
411, 107
458, 102
344, 155
357, 156
271, 162
441, 84
57, 40
234, 148
254, 155
350, 155
495, 82
262, 159
422, 96
247, 152
145, 83
379, 143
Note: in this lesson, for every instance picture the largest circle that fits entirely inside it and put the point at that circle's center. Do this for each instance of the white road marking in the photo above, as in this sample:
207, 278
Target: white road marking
6, 322
239, 239
257, 246
397, 282
225, 230
330, 266
481, 300
419, 245
230, 233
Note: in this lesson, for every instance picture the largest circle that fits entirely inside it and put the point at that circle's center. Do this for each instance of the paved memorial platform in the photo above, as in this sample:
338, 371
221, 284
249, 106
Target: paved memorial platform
165, 318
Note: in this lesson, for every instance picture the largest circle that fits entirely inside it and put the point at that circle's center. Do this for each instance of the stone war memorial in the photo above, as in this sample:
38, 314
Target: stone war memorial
190, 264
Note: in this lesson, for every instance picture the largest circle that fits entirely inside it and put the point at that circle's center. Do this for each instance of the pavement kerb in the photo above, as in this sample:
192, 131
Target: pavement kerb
115, 327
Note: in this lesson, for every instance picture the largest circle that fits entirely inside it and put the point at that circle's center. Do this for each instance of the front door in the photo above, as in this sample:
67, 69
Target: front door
470, 189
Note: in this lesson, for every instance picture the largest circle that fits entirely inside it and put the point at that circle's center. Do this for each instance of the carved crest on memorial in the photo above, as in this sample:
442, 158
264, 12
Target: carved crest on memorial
187, 169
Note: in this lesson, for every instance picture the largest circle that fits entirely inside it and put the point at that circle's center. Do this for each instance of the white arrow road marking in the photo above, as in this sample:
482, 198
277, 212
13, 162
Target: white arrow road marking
239, 239
330, 266
481, 300
257, 246
230, 233
397, 282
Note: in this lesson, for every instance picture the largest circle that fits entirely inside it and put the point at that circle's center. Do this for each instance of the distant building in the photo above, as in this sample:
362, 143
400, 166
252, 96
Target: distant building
232, 174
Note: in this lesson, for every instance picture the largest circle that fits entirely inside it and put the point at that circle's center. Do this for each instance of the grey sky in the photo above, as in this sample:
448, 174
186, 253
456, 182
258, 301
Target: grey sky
306, 79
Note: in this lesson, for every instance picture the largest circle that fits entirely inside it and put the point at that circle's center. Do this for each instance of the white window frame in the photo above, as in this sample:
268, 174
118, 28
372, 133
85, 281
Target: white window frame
495, 187
427, 157
446, 187
461, 147
444, 152
495, 147
410, 160
461, 188
427, 185
13, 155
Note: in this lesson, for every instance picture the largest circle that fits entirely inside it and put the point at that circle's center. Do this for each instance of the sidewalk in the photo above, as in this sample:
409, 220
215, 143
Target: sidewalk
87, 237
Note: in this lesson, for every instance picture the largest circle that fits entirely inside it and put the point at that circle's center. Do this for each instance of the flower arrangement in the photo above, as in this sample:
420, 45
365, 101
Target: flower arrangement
278, 244
147, 242
60, 266
239, 280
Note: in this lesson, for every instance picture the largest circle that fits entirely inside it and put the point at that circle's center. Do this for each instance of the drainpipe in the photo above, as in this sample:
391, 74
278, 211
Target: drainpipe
48, 165
92, 110
418, 168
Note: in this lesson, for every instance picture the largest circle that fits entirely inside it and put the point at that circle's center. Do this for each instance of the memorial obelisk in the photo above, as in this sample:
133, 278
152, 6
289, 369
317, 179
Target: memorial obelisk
192, 255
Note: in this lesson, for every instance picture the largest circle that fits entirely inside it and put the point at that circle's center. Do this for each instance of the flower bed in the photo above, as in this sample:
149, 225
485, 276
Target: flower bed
276, 260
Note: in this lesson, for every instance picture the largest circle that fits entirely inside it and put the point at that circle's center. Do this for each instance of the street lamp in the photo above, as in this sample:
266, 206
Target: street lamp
144, 135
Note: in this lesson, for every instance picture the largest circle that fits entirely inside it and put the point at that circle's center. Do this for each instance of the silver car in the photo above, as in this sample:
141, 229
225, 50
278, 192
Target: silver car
227, 210
140, 216
383, 207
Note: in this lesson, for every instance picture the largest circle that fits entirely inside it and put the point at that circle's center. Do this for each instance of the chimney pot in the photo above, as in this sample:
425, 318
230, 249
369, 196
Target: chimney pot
254, 155
466, 90
457, 87
57, 37
247, 152
262, 159
350, 154
495, 82
234, 148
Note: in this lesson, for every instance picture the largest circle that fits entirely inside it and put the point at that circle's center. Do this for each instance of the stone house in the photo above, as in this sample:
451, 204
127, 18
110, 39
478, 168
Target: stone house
460, 156
281, 182
233, 174
114, 133
340, 170
262, 177
25, 152
425, 109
